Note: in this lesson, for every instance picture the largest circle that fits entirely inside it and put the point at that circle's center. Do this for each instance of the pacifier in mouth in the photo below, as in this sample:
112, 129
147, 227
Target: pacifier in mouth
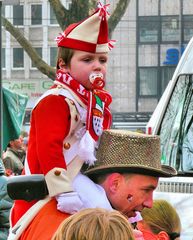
97, 80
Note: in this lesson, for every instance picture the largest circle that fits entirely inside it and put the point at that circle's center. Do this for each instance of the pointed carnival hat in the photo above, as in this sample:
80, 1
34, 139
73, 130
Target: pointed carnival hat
90, 35
129, 152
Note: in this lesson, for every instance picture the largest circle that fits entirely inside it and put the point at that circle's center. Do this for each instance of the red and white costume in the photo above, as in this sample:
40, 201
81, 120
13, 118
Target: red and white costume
58, 129
67, 120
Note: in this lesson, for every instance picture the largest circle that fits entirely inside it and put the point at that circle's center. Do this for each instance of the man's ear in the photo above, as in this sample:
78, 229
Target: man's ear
62, 65
11, 143
114, 181
163, 236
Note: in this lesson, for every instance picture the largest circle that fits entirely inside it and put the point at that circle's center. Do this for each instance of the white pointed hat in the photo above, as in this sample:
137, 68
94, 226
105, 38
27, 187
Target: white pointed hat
90, 35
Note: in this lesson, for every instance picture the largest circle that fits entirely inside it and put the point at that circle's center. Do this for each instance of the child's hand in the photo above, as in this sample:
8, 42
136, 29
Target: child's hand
69, 202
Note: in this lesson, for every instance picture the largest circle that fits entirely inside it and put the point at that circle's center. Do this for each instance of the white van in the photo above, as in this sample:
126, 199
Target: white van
172, 120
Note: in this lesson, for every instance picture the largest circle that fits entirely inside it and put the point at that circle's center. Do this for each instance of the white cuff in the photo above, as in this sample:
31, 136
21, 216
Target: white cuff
58, 182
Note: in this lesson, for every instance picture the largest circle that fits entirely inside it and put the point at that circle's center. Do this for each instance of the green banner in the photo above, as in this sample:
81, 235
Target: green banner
14, 106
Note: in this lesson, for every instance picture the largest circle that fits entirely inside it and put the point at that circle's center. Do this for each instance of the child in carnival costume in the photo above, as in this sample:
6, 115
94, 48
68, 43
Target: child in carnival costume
68, 119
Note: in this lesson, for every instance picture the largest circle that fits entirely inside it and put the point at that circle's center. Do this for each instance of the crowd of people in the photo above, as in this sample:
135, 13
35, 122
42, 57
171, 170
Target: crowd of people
100, 181
11, 164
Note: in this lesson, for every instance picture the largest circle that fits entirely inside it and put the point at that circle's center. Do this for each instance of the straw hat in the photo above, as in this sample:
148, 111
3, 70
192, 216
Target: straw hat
90, 35
129, 152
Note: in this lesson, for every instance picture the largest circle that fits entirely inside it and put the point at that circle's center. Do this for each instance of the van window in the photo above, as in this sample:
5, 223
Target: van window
176, 130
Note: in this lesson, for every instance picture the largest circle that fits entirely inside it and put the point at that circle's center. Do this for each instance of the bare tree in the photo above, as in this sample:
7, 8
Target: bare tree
78, 10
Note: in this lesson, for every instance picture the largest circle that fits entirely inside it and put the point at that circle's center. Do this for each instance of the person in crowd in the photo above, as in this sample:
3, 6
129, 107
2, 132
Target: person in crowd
5, 204
25, 136
160, 222
95, 224
124, 177
68, 119
14, 156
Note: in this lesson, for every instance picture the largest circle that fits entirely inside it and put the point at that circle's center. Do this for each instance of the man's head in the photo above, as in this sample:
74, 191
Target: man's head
128, 167
16, 144
130, 192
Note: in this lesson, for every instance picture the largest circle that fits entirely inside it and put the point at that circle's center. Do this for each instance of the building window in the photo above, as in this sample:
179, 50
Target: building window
3, 11
148, 81
18, 15
188, 27
53, 19
36, 14
170, 29
18, 58
39, 51
148, 29
166, 76
3, 57
53, 56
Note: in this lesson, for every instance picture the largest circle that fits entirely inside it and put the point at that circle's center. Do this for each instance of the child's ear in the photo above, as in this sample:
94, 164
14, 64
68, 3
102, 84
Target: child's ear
163, 236
62, 65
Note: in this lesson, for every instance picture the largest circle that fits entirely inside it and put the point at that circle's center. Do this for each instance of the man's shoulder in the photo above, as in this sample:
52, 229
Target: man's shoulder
9, 153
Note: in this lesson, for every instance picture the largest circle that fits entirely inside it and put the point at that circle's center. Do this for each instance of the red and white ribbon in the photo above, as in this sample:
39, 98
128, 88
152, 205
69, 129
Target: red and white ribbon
103, 10
60, 37
111, 44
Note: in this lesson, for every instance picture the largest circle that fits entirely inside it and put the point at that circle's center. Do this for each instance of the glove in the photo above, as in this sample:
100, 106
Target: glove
69, 202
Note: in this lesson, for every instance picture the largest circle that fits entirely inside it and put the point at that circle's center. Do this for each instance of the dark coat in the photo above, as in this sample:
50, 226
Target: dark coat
5, 205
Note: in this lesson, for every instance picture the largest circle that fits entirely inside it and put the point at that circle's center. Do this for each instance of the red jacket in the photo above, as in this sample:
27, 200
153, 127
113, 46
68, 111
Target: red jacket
50, 124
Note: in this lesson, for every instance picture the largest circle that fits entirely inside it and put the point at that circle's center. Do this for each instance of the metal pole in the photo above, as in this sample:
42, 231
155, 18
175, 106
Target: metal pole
1, 94
180, 28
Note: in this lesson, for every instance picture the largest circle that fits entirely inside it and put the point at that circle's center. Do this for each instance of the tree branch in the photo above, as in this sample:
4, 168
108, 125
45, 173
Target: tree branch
117, 14
26, 45
61, 13
77, 11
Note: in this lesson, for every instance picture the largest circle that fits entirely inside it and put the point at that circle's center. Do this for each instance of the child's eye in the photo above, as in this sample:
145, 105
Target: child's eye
86, 59
103, 60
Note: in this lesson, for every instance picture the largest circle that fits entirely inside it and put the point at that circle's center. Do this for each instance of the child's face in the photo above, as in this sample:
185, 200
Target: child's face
84, 63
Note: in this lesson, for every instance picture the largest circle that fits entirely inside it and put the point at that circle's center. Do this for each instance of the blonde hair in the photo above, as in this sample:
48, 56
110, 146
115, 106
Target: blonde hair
95, 224
162, 217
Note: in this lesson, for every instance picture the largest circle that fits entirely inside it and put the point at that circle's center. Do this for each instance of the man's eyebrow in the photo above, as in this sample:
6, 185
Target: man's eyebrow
153, 187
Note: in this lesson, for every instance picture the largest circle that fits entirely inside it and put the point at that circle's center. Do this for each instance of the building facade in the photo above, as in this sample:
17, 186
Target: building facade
151, 37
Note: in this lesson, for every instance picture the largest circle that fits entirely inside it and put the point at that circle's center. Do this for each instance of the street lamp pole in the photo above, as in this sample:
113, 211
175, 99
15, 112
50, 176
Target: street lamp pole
1, 92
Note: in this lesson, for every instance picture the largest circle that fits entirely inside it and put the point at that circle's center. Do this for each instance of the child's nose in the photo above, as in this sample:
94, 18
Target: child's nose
97, 65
